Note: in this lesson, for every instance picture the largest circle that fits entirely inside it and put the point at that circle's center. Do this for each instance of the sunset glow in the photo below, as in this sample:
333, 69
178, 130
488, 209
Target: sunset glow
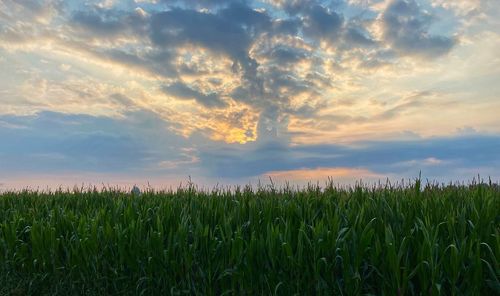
134, 91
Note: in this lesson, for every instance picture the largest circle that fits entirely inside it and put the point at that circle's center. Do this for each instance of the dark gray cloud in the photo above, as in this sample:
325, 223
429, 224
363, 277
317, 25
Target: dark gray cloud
201, 3
234, 28
438, 157
239, 31
286, 26
406, 27
357, 37
323, 23
54, 142
294, 7
253, 20
180, 26
96, 24
230, 30
106, 23
138, 143
182, 91
157, 62
286, 55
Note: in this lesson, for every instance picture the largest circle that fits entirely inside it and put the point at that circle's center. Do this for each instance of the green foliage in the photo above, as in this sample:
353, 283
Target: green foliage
388, 240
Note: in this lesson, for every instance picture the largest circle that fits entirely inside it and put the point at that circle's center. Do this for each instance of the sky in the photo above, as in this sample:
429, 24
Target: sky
233, 92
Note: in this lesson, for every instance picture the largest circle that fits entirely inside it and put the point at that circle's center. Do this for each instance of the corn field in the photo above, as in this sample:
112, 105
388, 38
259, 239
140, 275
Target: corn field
360, 240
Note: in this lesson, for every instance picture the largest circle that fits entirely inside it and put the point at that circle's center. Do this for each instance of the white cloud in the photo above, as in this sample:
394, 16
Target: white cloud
460, 7
106, 4
146, 1
65, 67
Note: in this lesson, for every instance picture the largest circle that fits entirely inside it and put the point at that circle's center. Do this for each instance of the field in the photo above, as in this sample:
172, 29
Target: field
385, 240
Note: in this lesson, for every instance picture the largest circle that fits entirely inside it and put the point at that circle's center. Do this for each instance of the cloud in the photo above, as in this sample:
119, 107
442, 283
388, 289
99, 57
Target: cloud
142, 145
436, 157
182, 91
271, 77
322, 173
284, 55
157, 63
146, 1
460, 7
358, 37
215, 32
286, 26
406, 28
198, 3
322, 23
240, 13
275, 60
294, 6
52, 142
42, 11
108, 23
